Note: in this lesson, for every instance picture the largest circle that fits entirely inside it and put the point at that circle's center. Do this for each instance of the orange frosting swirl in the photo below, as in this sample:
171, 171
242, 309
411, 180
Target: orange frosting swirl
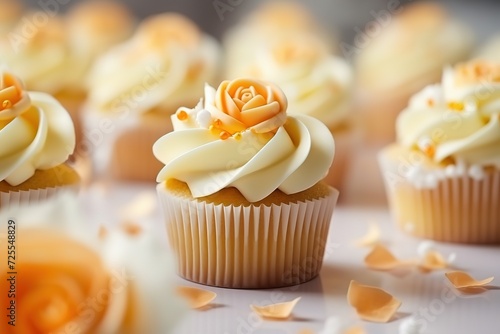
52, 286
246, 103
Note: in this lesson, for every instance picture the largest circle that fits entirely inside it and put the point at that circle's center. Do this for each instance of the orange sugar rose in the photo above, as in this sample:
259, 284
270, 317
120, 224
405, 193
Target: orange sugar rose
56, 278
247, 103
10, 91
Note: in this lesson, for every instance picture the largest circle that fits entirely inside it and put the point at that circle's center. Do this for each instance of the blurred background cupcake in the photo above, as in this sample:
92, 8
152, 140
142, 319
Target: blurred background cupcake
404, 56
37, 137
316, 83
268, 23
407, 52
443, 174
11, 12
137, 85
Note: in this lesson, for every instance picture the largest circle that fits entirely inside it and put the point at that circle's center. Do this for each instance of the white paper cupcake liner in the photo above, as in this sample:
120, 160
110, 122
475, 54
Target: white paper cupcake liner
13, 199
460, 208
248, 247
99, 136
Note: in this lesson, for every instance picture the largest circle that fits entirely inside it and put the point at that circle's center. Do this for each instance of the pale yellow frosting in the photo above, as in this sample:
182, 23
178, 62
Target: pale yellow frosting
411, 48
267, 24
458, 119
315, 82
38, 130
44, 58
94, 26
166, 63
240, 136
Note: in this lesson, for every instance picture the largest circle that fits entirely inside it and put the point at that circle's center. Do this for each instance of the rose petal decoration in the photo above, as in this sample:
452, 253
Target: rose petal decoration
461, 280
433, 260
279, 311
371, 238
197, 298
245, 103
372, 303
380, 258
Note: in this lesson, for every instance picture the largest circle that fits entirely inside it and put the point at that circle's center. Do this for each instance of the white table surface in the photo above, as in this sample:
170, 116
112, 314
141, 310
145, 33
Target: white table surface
427, 297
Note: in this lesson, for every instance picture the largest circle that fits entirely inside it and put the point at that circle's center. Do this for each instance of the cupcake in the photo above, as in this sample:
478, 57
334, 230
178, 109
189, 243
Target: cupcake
269, 22
315, 83
137, 85
402, 58
43, 60
443, 174
10, 13
41, 137
241, 188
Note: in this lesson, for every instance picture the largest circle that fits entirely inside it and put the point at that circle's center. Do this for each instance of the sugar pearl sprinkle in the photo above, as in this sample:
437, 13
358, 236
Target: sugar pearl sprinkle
410, 325
7, 104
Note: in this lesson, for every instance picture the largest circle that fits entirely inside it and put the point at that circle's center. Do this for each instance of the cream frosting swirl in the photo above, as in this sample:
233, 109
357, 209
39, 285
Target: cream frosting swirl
44, 59
411, 48
240, 136
315, 82
38, 129
458, 119
168, 61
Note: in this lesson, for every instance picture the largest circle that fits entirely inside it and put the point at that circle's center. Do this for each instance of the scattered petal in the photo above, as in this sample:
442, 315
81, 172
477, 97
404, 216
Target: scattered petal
371, 238
355, 330
433, 260
306, 331
380, 258
197, 298
461, 280
372, 303
276, 311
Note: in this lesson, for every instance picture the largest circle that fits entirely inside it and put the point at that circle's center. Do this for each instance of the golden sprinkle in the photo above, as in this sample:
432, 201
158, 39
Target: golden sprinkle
182, 115
457, 106
237, 136
7, 104
218, 122
224, 135
430, 103
429, 151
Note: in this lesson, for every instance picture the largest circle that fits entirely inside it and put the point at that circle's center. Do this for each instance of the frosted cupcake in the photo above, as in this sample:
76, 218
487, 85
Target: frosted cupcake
443, 174
10, 13
315, 83
40, 137
44, 61
137, 85
269, 22
406, 55
241, 188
